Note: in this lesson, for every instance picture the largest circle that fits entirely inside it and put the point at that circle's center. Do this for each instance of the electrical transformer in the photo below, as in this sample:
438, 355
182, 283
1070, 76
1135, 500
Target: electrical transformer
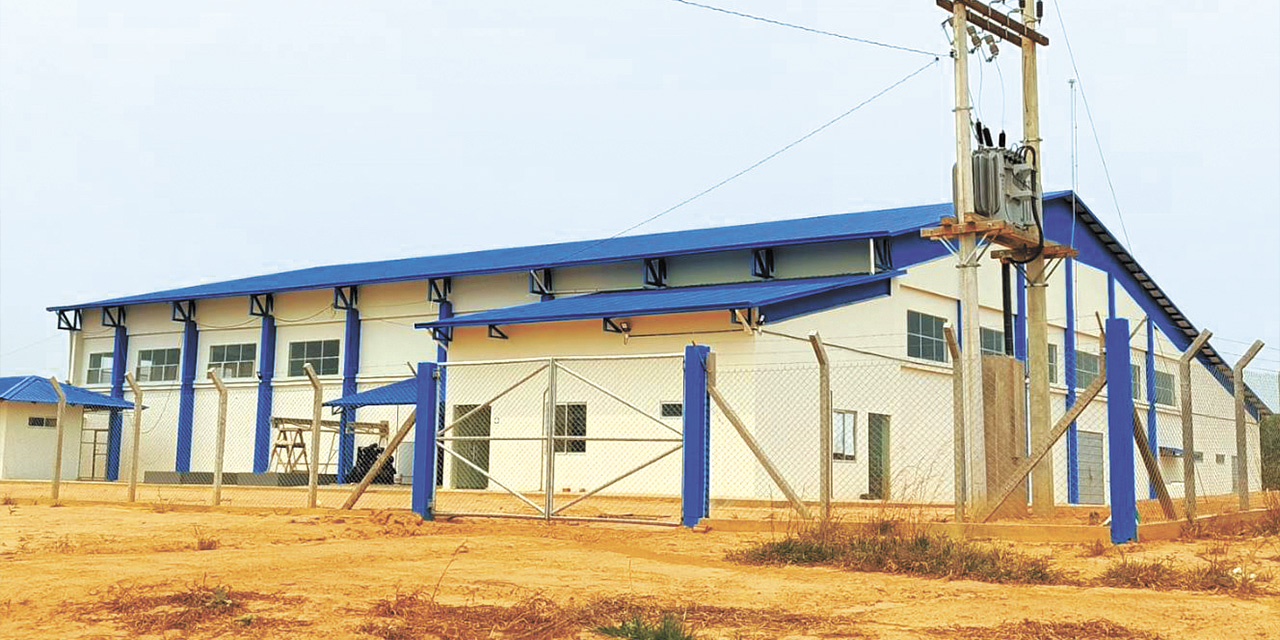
1003, 186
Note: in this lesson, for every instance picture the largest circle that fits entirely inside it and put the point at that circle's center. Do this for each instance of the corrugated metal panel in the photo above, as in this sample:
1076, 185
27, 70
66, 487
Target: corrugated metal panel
833, 228
403, 392
40, 390
621, 304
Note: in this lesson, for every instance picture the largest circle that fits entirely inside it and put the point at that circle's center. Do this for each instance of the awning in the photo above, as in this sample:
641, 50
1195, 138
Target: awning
40, 391
775, 300
403, 392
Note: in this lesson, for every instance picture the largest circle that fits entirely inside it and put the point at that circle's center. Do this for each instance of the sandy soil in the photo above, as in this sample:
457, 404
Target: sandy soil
326, 571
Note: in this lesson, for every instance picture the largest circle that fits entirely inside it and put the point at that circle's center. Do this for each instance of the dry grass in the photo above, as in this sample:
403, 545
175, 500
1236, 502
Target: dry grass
1034, 630
205, 542
195, 610
882, 548
1219, 573
1270, 523
7, 500
1096, 549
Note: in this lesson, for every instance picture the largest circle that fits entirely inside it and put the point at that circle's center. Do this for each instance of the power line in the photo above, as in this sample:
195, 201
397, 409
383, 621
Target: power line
1088, 113
756, 164
809, 29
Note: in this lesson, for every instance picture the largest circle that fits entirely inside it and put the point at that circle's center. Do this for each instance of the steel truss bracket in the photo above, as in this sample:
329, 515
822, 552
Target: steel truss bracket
345, 298
113, 317
745, 317
439, 289
497, 333
540, 282
183, 311
617, 326
882, 250
655, 272
762, 263
69, 319
442, 335
261, 304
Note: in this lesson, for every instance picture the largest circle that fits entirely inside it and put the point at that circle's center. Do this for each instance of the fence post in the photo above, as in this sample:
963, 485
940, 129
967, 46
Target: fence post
550, 428
825, 435
1188, 424
1124, 507
313, 462
137, 435
1242, 426
424, 441
58, 429
695, 494
220, 445
957, 410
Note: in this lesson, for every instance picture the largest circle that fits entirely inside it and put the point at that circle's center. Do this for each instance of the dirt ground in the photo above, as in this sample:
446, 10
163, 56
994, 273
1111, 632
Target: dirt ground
317, 576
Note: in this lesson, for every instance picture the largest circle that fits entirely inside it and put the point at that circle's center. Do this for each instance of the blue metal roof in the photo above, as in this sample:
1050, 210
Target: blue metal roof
830, 228
40, 391
777, 300
403, 392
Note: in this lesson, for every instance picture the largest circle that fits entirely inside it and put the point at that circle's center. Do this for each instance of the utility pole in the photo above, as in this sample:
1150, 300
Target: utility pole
1037, 282
971, 354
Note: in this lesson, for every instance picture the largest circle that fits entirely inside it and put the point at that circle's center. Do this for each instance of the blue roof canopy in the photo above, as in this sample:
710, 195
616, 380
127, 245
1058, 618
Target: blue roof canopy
403, 392
40, 391
776, 299
777, 233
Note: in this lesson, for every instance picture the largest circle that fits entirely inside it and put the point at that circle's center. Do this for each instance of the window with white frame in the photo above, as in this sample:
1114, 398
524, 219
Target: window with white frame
992, 341
1086, 368
1135, 381
233, 360
99, 371
158, 365
1164, 388
322, 354
40, 422
925, 338
844, 433
1053, 364
671, 410
571, 427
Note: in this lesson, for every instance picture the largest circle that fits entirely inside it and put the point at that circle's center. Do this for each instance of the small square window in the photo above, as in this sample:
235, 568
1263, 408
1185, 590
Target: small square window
99, 371
925, 337
672, 409
844, 434
992, 342
40, 422
233, 360
158, 365
322, 354
571, 424
1086, 368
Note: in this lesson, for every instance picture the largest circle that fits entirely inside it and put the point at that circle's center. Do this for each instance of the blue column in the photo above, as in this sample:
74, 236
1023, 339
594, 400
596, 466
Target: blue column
695, 493
424, 442
1151, 399
115, 421
442, 355
1111, 296
959, 325
1020, 323
266, 372
1069, 377
187, 396
1124, 508
350, 368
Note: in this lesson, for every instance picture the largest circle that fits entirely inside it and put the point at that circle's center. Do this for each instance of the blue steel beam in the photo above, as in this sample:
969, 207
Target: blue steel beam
266, 373
444, 312
1124, 507
695, 493
422, 498
1152, 434
1069, 377
115, 421
350, 369
187, 396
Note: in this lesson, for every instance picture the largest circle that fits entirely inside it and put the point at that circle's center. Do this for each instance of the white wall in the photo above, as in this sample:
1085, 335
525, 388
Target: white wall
28, 452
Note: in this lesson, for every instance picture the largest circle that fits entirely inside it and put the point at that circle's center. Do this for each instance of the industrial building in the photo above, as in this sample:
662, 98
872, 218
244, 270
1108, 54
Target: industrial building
866, 280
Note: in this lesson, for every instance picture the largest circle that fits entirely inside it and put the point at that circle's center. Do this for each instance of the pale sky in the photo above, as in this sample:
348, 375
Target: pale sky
150, 145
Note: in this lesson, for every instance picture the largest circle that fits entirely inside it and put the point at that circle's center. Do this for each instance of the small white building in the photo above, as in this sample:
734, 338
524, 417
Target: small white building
867, 281
28, 429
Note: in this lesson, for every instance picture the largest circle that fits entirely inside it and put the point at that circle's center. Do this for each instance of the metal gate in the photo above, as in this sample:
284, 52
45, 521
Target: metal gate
1092, 484
573, 438
93, 454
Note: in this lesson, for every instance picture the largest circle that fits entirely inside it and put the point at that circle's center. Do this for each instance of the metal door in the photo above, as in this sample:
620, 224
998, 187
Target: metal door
877, 457
473, 425
93, 454
1092, 485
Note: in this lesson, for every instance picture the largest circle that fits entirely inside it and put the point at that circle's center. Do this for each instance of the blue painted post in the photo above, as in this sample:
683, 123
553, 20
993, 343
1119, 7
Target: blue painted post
424, 442
266, 372
1111, 296
695, 493
115, 421
959, 325
442, 355
1020, 323
350, 369
1124, 507
1069, 377
1151, 399
187, 396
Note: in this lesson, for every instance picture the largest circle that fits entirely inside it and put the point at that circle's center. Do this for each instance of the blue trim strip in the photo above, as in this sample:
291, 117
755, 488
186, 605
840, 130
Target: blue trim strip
423, 499
695, 493
444, 312
266, 372
1069, 377
959, 325
1124, 507
1111, 296
187, 396
350, 369
1152, 434
115, 421
1020, 323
